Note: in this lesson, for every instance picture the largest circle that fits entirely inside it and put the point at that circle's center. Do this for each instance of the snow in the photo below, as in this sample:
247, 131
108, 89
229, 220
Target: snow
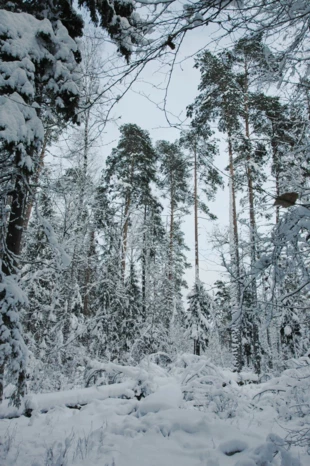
113, 427
18, 123
24, 40
166, 397
287, 330
232, 447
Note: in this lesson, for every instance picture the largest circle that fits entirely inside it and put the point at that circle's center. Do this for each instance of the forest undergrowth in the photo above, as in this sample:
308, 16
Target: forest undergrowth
186, 410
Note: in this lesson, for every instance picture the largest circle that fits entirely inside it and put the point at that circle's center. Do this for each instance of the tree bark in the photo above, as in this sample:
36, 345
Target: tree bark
196, 216
35, 181
277, 171
171, 234
126, 225
88, 273
196, 348
255, 332
196, 342
1, 382
144, 252
125, 235
15, 226
236, 339
233, 216
249, 169
10, 258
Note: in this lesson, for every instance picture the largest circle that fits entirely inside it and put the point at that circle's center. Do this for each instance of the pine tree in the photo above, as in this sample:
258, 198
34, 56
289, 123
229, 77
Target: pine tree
129, 174
228, 96
203, 149
174, 179
219, 100
129, 223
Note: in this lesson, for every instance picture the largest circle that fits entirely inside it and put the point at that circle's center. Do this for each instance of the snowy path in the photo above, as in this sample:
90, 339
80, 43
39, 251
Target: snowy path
160, 430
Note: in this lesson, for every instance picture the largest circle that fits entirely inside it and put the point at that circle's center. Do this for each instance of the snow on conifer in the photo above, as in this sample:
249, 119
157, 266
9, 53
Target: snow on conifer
198, 315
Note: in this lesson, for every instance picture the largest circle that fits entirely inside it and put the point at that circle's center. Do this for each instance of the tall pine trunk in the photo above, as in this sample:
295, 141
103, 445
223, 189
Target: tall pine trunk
255, 333
91, 248
249, 168
144, 253
196, 342
236, 339
126, 224
171, 233
171, 278
88, 273
196, 217
275, 162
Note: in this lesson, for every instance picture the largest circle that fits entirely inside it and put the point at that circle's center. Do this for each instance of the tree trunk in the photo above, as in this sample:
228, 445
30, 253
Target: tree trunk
196, 217
91, 250
144, 252
126, 225
171, 234
249, 173
196, 348
125, 235
196, 342
10, 258
85, 155
15, 225
1, 382
234, 239
236, 339
35, 181
275, 162
171, 284
255, 332
88, 273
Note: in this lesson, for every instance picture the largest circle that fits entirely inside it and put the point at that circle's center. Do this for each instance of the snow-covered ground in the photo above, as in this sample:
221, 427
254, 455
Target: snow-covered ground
188, 413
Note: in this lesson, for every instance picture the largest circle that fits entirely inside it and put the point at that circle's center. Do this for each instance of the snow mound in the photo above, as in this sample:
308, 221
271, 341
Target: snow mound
232, 447
166, 397
206, 386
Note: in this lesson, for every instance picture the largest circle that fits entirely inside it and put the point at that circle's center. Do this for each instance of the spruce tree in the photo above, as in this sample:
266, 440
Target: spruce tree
198, 317
36, 61
117, 18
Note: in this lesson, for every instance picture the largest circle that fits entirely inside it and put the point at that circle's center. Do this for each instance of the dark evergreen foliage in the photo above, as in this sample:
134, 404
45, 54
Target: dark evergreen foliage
198, 317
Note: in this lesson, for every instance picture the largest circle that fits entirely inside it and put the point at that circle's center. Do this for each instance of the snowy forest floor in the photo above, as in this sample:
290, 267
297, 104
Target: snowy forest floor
185, 413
